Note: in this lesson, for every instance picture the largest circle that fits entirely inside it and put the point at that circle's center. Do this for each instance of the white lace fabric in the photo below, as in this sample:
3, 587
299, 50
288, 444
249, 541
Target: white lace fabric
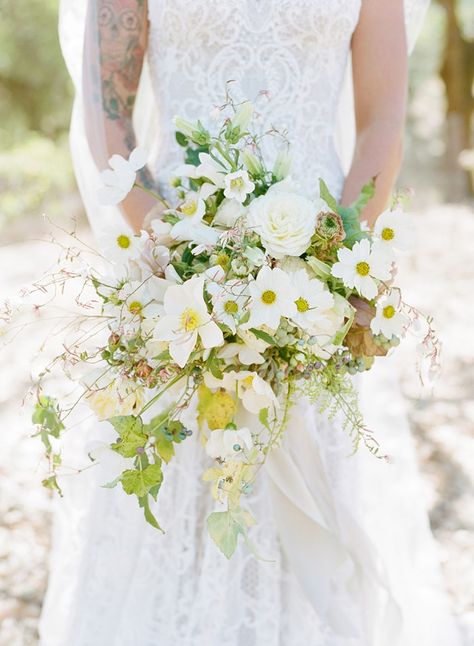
115, 581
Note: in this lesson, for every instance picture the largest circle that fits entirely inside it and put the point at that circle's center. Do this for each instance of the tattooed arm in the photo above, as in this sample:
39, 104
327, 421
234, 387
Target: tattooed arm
116, 41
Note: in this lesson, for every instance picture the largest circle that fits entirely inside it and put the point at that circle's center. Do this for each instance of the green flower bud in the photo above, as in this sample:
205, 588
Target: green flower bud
282, 165
252, 163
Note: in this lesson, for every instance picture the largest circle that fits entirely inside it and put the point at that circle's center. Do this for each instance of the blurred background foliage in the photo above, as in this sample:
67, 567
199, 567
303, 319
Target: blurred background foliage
35, 102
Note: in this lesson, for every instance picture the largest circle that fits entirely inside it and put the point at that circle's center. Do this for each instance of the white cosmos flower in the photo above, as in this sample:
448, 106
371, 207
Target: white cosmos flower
120, 177
361, 266
388, 319
228, 301
238, 185
393, 231
285, 222
272, 296
229, 212
186, 320
313, 300
120, 245
229, 443
254, 392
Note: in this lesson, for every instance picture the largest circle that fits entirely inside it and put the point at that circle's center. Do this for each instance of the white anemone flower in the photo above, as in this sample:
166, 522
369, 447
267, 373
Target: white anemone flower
393, 231
228, 301
229, 443
389, 320
143, 299
121, 397
272, 296
120, 177
361, 266
313, 300
187, 320
238, 185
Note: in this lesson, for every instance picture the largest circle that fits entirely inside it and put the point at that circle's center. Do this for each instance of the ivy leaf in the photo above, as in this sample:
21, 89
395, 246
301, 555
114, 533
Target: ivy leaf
263, 418
139, 482
225, 527
46, 415
164, 448
144, 502
52, 483
264, 336
130, 429
326, 195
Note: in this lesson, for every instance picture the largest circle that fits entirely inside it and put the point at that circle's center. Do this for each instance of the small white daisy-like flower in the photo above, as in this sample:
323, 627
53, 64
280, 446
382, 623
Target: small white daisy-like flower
120, 177
388, 319
272, 296
361, 266
393, 231
228, 301
312, 301
121, 245
238, 185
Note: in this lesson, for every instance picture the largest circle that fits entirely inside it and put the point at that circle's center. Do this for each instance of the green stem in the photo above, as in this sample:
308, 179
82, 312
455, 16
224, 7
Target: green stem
160, 393
157, 196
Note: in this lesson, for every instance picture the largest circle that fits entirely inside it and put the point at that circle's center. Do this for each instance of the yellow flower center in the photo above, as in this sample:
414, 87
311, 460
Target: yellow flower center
247, 382
189, 208
135, 307
268, 297
231, 307
302, 304
123, 241
237, 183
389, 311
223, 260
363, 268
190, 320
388, 234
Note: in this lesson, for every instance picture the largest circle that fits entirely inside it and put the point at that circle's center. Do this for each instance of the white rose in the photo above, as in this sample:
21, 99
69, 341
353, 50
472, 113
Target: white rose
229, 443
285, 222
229, 212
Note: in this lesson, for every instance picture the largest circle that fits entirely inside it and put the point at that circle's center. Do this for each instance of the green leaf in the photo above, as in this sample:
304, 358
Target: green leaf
149, 517
181, 139
320, 268
139, 482
225, 527
350, 219
164, 447
264, 336
131, 433
326, 195
52, 483
263, 418
46, 415
366, 194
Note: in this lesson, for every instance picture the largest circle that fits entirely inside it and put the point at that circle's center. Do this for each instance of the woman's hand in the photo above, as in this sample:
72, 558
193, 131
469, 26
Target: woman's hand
379, 66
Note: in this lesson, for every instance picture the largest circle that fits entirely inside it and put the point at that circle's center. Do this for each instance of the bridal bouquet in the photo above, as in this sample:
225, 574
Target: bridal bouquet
241, 298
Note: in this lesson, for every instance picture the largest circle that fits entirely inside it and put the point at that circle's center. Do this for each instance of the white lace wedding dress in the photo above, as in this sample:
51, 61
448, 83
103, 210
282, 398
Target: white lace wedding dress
348, 553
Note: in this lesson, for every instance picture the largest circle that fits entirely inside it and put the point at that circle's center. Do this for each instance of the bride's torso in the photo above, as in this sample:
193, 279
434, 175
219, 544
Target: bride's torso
295, 51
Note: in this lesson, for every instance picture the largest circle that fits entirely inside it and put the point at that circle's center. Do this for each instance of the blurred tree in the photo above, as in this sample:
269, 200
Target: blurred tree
35, 106
35, 94
457, 72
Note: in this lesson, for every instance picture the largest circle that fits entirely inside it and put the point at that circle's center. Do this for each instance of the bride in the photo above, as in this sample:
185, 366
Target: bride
348, 556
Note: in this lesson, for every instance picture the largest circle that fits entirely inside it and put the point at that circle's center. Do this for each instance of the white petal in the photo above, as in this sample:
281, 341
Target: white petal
211, 335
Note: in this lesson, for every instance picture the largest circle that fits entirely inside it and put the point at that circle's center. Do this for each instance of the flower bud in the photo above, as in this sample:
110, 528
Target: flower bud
282, 165
252, 162
243, 116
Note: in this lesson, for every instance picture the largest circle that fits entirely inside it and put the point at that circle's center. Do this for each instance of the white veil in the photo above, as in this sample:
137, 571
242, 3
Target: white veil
89, 145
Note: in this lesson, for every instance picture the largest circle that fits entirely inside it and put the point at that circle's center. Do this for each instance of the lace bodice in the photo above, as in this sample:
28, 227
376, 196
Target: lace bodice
293, 50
